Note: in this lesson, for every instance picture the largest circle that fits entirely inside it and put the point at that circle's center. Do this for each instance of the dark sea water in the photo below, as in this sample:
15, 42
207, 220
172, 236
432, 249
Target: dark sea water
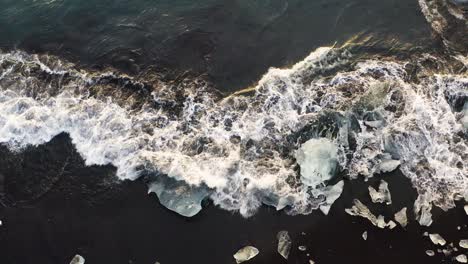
233, 41
55, 202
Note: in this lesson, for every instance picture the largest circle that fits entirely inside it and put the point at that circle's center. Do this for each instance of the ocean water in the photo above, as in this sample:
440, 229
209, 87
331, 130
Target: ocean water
217, 99
217, 38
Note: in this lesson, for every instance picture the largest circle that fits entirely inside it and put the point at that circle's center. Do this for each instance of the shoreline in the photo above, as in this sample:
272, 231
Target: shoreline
87, 213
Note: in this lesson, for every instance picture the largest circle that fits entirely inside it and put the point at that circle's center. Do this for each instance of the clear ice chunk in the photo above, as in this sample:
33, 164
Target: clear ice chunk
284, 243
437, 239
77, 259
178, 196
332, 193
401, 217
245, 253
318, 159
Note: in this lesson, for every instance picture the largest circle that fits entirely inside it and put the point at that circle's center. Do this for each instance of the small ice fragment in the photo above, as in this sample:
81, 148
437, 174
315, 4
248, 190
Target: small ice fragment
332, 193
446, 252
245, 254
311, 262
437, 239
302, 248
391, 224
388, 166
463, 243
364, 235
1, 223
422, 210
458, 227
77, 259
359, 209
401, 217
462, 258
284, 243
381, 196
430, 253
466, 209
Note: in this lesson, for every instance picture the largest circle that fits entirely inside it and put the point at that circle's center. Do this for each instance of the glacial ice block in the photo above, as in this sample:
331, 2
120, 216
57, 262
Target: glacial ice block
178, 196
77, 259
245, 254
284, 243
318, 161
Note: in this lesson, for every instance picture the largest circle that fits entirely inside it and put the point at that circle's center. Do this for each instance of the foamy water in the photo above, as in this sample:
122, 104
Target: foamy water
243, 147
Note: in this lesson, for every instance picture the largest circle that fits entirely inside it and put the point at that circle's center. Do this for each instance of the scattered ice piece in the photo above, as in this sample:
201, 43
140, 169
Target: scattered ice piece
462, 258
311, 262
302, 248
245, 254
430, 253
458, 227
284, 243
359, 209
401, 217
364, 235
426, 234
388, 166
466, 209
178, 196
437, 239
422, 210
1, 223
391, 224
463, 243
332, 193
77, 259
446, 252
318, 159
381, 196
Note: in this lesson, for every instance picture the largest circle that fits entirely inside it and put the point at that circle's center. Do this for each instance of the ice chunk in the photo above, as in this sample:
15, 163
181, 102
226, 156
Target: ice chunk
388, 165
381, 196
391, 224
364, 235
302, 248
311, 262
463, 243
462, 258
77, 259
359, 209
430, 253
245, 254
318, 160
178, 196
284, 243
332, 193
422, 210
437, 239
401, 217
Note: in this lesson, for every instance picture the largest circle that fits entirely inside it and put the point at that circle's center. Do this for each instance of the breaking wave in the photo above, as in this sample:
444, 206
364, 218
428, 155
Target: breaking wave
241, 150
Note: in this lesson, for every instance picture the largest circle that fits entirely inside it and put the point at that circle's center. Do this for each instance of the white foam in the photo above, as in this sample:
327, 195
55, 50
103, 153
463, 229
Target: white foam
243, 147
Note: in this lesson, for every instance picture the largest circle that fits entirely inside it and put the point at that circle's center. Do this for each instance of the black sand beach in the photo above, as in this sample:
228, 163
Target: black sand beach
86, 211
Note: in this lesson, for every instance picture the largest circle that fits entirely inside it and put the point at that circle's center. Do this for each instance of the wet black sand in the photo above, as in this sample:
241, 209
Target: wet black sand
85, 210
